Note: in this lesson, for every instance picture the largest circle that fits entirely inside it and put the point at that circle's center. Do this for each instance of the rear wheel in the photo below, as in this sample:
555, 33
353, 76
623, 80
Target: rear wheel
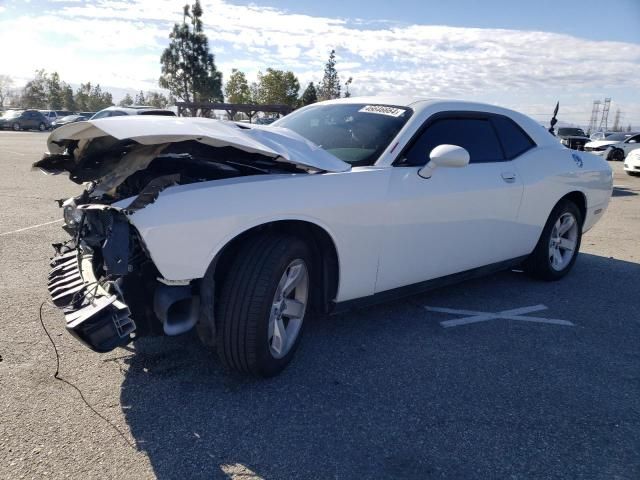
559, 243
262, 305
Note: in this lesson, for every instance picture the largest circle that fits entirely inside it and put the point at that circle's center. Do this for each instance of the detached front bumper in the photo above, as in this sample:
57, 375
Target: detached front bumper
94, 310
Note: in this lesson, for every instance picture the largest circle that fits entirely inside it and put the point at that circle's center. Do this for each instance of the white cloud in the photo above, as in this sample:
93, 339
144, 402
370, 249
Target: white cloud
119, 43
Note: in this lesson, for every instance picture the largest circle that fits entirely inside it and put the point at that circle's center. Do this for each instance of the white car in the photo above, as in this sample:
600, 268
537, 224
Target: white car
131, 110
241, 230
616, 146
632, 163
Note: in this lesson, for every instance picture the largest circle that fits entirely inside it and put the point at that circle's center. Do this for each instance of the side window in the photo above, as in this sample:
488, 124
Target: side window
476, 135
514, 140
117, 113
635, 137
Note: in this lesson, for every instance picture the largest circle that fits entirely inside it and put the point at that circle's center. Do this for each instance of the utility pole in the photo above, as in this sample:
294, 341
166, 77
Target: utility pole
594, 117
605, 115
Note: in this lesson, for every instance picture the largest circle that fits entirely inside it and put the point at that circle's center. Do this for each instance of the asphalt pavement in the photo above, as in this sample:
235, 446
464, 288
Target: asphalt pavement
394, 391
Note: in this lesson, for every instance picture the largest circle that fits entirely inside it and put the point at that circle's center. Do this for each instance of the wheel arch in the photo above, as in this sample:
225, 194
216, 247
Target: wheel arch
579, 199
326, 265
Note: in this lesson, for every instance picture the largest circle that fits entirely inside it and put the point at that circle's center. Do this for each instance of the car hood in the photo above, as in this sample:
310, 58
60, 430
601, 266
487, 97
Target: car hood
601, 143
279, 143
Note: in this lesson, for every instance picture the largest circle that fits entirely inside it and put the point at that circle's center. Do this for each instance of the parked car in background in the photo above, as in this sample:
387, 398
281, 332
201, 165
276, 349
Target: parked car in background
573, 138
615, 147
24, 120
600, 135
239, 230
632, 163
132, 110
53, 115
68, 119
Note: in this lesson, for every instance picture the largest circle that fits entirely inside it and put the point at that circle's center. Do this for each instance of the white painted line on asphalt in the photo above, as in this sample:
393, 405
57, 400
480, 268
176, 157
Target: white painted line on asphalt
29, 228
514, 314
14, 153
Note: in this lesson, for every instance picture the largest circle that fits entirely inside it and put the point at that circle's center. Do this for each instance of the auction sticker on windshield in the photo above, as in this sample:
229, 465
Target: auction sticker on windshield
383, 110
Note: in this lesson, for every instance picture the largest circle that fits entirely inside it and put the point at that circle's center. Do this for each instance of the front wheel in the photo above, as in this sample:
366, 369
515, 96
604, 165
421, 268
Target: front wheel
16, 126
616, 155
559, 243
42, 127
262, 305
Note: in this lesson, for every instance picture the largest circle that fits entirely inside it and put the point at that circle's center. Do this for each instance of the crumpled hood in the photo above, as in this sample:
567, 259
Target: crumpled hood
280, 143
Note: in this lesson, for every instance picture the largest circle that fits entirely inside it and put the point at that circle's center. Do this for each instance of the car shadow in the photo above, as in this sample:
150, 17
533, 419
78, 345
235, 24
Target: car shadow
623, 192
387, 392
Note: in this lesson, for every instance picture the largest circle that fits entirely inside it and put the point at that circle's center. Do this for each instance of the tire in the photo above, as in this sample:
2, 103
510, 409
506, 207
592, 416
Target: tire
250, 312
16, 127
633, 174
616, 155
542, 263
42, 127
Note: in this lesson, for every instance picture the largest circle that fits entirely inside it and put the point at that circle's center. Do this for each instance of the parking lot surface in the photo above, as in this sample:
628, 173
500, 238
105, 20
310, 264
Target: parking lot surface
471, 381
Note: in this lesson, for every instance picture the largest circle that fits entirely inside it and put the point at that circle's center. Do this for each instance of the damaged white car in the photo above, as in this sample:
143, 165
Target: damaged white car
241, 231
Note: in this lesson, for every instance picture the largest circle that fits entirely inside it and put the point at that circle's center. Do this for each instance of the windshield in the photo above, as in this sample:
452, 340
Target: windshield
12, 114
571, 132
355, 133
618, 137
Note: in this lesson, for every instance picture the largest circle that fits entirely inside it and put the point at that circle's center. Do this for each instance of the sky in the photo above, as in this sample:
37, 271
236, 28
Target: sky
524, 55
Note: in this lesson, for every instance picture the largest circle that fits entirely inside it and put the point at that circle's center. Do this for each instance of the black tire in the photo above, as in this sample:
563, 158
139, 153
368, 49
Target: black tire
42, 127
16, 127
245, 303
616, 155
633, 174
539, 264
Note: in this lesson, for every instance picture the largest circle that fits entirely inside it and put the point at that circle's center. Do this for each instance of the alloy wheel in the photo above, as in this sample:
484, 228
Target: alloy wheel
288, 308
563, 241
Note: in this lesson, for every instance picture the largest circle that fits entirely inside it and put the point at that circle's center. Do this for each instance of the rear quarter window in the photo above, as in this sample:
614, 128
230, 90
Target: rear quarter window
513, 138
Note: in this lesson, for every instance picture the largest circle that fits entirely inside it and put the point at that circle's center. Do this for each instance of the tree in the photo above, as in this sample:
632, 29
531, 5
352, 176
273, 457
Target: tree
140, 100
309, 96
68, 102
329, 88
347, 84
127, 101
277, 87
237, 89
34, 94
188, 69
6, 82
158, 100
55, 99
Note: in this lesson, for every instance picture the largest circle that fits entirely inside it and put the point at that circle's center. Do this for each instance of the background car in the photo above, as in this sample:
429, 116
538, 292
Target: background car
615, 147
239, 231
133, 110
68, 119
53, 115
573, 138
24, 120
600, 135
632, 163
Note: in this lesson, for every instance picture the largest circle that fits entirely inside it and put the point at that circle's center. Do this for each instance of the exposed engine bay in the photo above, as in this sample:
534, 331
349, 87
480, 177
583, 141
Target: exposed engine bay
103, 278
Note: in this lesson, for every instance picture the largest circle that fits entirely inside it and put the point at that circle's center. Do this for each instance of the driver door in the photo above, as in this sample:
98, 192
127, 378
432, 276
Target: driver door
460, 218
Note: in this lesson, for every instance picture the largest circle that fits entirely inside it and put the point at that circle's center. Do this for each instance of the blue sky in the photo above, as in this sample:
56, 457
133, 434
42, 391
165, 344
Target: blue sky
581, 18
520, 54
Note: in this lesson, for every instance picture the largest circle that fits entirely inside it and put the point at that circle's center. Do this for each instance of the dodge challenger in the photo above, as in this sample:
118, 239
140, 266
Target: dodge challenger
242, 231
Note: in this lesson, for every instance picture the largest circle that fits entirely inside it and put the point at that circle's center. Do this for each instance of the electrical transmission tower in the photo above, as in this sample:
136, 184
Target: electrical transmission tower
616, 123
594, 117
605, 115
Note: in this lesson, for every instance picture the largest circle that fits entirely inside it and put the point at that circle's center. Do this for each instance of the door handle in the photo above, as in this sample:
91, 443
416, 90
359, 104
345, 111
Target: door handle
509, 177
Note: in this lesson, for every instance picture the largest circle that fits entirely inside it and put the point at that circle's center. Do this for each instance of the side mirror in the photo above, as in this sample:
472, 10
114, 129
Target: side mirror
451, 156
633, 141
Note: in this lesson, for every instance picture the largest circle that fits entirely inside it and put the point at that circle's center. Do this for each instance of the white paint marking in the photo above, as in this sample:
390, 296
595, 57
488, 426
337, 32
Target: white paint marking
29, 228
513, 314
